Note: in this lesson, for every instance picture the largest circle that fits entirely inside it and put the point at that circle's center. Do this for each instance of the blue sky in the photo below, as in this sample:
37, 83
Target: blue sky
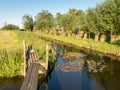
11, 11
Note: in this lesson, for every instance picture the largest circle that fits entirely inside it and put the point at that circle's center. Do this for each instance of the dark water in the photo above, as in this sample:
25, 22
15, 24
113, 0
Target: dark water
109, 79
10, 83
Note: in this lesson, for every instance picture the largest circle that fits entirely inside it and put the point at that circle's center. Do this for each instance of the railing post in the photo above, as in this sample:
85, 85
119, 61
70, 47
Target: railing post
24, 53
47, 54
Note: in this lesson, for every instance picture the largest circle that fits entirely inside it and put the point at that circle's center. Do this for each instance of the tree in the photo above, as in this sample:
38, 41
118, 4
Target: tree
44, 20
71, 20
10, 27
117, 2
28, 22
93, 22
58, 20
84, 25
108, 14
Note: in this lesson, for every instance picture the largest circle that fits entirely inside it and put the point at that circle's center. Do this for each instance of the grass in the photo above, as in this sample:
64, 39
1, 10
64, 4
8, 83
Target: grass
97, 46
11, 51
10, 63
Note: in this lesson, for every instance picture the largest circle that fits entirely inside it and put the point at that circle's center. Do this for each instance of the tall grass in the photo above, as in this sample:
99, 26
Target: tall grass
11, 53
10, 63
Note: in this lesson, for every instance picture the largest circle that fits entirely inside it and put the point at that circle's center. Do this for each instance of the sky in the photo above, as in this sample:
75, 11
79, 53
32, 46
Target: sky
12, 11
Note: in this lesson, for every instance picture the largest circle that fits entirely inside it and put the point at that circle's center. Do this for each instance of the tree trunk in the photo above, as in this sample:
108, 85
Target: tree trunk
85, 35
112, 38
97, 36
102, 38
81, 34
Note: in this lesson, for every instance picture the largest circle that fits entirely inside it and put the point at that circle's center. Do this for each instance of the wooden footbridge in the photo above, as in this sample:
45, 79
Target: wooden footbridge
32, 67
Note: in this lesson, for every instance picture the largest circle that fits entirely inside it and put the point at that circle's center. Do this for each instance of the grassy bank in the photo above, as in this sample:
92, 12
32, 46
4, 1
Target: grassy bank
11, 51
87, 43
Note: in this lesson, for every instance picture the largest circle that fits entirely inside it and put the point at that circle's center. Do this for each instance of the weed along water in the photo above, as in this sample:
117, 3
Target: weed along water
78, 70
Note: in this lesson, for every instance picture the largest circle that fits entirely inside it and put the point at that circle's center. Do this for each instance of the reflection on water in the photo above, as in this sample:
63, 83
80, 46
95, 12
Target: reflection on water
84, 80
108, 79
10, 83
59, 61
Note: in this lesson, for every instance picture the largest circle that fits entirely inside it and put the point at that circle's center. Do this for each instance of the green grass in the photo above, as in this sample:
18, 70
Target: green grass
10, 63
11, 51
97, 46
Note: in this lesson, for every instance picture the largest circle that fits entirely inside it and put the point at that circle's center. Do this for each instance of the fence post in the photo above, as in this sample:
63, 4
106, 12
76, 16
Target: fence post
24, 53
47, 54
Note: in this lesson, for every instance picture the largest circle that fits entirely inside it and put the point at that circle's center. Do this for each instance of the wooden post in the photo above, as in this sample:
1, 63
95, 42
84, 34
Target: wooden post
46, 86
24, 52
47, 54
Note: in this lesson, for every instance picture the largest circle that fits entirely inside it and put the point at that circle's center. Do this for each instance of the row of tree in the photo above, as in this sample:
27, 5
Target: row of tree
104, 18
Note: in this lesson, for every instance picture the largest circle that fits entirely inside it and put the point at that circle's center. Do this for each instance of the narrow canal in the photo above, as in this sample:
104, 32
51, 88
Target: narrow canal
101, 73
73, 74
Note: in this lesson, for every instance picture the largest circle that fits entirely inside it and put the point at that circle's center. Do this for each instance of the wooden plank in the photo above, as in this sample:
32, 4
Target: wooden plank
26, 79
31, 80
33, 83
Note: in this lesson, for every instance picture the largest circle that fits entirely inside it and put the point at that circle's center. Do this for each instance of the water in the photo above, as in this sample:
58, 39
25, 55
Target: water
82, 80
10, 83
109, 79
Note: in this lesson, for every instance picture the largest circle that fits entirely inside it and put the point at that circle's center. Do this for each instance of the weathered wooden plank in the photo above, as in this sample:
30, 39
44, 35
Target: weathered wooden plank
31, 80
26, 79
33, 83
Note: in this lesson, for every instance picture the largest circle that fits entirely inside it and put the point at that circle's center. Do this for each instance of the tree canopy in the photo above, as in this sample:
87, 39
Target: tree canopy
28, 22
44, 20
104, 17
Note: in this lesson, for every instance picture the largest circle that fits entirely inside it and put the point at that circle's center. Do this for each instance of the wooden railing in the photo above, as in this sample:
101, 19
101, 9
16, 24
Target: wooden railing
32, 66
30, 56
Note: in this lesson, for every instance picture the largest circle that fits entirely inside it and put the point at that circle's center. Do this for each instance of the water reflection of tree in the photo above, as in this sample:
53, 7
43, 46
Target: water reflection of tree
110, 77
85, 79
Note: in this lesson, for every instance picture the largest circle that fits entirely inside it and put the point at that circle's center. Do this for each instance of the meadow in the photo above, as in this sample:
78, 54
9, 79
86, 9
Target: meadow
11, 50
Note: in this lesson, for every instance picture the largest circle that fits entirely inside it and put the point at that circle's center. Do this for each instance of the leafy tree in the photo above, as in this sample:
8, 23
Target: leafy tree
70, 20
117, 2
108, 13
93, 22
44, 20
58, 20
67, 22
79, 18
84, 25
28, 22
10, 27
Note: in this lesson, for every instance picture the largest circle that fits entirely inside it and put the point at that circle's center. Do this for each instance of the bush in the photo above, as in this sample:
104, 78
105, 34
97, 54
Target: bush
10, 27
